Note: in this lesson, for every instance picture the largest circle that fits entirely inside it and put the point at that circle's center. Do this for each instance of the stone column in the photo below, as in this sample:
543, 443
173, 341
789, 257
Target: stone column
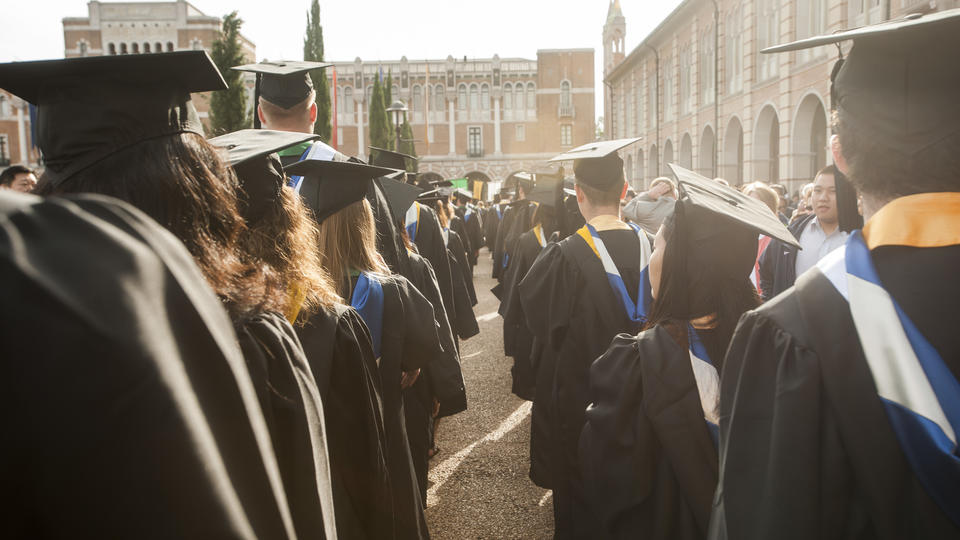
452, 123
496, 126
361, 147
22, 133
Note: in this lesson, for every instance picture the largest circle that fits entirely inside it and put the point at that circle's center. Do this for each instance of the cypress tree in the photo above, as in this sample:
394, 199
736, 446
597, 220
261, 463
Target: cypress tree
388, 101
228, 108
313, 52
379, 129
407, 145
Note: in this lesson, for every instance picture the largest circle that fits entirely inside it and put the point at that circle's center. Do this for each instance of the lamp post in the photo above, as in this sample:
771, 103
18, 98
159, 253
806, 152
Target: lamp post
397, 109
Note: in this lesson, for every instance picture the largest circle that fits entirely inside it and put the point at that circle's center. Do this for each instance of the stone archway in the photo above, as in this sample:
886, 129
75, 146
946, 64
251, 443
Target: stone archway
653, 163
708, 153
766, 146
638, 164
809, 138
667, 159
685, 159
733, 152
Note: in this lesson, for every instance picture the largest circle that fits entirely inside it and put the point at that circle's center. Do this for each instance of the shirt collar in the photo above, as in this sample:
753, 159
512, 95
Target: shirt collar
922, 220
608, 222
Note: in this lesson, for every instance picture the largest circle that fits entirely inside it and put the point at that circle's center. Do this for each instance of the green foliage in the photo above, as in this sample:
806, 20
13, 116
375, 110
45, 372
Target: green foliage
387, 102
407, 146
379, 128
313, 52
228, 108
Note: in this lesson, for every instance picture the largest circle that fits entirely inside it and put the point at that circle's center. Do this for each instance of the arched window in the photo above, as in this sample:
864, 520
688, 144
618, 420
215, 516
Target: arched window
474, 97
707, 66
439, 99
123, 48
485, 97
531, 97
169, 46
462, 97
146, 47
417, 99
518, 99
507, 97
82, 47
565, 101
135, 49
4, 106
111, 48
348, 106
369, 95
394, 94
158, 47
339, 100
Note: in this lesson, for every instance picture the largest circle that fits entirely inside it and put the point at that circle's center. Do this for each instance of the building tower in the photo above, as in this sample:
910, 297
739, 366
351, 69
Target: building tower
614, 36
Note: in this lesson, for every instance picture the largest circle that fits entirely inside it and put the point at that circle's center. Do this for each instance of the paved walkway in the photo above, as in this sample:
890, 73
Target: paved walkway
479, 484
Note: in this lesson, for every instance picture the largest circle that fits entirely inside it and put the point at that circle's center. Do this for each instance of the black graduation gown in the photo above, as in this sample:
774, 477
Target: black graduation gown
389, 241
464, 320
516, 221
518, 341
456, 247
338, 348
499, 244
441, 379
430, 244
473, 232
128, 411
572, 310
291, 405
649, 463
457, 224
409, 341
491, 223
806, 448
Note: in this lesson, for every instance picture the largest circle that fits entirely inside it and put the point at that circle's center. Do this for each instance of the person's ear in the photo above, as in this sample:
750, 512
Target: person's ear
623, 192
313, 112
580, 195
260, 115
837, 150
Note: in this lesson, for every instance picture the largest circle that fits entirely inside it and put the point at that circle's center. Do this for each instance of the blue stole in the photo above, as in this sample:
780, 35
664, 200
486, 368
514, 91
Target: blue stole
367, 299
499, 211
708, 383
637, 312
411, 221
919, 393
317, 150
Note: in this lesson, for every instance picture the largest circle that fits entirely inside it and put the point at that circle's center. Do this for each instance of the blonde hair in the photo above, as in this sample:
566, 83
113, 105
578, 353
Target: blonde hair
443, 213
766, 194
348, 242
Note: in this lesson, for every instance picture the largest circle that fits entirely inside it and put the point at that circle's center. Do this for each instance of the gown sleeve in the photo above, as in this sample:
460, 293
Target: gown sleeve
421, 341
547, 294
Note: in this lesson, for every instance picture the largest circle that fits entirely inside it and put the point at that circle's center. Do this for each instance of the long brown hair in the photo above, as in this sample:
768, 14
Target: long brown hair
348, 242
286, 239
182, 182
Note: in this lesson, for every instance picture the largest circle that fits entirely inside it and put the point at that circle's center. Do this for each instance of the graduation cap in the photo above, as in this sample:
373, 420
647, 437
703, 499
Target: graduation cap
283, 83
331, 186
400, 195
546, 192
463, 194
251, 153
899, 82
739, 211
597, 164
431, 195
388, 158
92, 107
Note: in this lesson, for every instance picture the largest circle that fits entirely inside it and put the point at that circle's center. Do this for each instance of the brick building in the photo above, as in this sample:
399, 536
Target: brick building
15, 141
477, 118
711, 102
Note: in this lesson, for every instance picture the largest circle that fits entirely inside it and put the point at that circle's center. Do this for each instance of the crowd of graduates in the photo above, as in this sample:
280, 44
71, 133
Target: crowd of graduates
256, 336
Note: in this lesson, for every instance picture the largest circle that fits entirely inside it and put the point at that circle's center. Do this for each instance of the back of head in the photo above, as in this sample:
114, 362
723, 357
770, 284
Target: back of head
763, 192
294, 118
348, 243
601, 179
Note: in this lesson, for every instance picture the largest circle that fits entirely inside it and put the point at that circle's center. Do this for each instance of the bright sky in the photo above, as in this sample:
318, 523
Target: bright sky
32, 29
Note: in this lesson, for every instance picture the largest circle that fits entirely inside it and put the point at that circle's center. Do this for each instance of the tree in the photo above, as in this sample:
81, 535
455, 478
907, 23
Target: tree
407, 145
379, 128
598, 129
313, 52
228, 108
388, 101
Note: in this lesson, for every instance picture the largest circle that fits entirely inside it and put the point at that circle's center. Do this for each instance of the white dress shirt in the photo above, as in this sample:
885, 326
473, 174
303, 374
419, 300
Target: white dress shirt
816, 244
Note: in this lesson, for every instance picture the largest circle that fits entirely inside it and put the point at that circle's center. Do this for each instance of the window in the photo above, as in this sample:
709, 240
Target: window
111, 48
768, 35
474, 97
417, 99
685, 74
641, 107
531, 97
521, 132
707, 67
430, 137
485, 97
146, 47
811, 21
733, 52
864, 12
653, 106
519, 98
5, 109
158, 47
123, 48
439, 101
669, 80
4, 149
566, 135
565, 101
348, 106
508, 97
631, 107
474, 142
339, 135
462, 97
136, 48
82, 48
196, 44
169, 46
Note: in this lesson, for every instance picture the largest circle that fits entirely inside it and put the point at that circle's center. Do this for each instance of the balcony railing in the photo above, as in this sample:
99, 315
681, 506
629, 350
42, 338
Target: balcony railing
565, 111
475, 152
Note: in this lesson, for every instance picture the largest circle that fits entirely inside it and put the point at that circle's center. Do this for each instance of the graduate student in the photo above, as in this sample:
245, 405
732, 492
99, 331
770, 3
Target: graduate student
839, 402
282, 236
473, 223
400, 318
125, 126
648, 447
578, 295
518, 342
